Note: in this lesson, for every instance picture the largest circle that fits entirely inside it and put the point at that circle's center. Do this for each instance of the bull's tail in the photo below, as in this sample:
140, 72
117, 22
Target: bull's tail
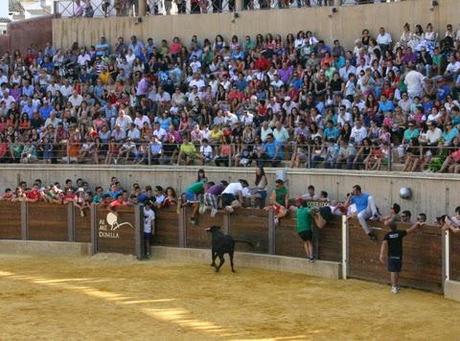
244, 241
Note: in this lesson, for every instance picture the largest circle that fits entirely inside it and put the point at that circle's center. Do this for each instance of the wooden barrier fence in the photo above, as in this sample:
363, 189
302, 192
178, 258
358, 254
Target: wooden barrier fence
424, 265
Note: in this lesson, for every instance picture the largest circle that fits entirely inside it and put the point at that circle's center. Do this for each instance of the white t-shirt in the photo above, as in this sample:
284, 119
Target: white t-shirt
414, 82
149, 220
233, 188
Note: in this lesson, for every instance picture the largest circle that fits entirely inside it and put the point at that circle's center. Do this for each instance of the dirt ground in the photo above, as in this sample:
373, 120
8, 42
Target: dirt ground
105, 298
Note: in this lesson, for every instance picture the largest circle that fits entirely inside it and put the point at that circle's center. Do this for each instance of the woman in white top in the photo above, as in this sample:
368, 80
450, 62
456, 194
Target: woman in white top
430, 38
406, 36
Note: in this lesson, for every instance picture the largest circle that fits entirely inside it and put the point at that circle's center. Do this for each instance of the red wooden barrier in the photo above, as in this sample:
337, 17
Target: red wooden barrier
167, 227
288, 243
252, 225
455, 256
10, 222
47, 221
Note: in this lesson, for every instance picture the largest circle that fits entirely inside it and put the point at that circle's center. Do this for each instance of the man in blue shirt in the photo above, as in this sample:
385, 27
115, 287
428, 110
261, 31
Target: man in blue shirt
273, 151
365, 209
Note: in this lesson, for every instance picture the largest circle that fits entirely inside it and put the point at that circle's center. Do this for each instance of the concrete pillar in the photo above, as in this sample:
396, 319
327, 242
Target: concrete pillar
142, 8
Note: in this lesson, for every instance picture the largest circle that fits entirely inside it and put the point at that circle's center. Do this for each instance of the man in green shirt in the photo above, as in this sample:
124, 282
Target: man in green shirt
303, 227
191, 197
279, 201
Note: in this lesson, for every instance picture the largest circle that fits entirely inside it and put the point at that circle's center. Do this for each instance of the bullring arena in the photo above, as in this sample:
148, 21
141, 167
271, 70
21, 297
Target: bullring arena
314, 144
116, 298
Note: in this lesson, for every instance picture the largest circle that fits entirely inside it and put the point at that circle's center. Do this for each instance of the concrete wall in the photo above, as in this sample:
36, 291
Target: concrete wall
452, 290
44, 248
324, 269
434, 194
26, 33
345, 25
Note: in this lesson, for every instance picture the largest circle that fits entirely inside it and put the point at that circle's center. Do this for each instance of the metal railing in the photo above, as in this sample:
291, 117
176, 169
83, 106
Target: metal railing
331, 156
101, 8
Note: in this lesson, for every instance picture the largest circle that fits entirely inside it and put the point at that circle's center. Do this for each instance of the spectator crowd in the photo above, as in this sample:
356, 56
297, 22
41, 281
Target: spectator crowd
264, 100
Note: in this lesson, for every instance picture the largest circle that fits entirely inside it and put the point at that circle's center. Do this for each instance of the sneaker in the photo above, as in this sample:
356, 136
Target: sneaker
276, 220
193, 221
394, 290
375, 217
229, 209
82, 214
311, 259
213, 212
398, 289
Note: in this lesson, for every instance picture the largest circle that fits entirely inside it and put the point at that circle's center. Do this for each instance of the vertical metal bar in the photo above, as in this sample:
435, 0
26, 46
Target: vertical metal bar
271, 233
94, 230
309, 156
149, 154
139, 231
446, 256
24, 221
70, 222
345, 247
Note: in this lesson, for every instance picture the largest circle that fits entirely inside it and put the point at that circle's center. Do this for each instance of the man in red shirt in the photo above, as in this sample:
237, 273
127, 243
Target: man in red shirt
34, 194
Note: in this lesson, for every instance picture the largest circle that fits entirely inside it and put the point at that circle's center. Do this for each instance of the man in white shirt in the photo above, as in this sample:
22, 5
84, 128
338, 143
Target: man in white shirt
288, 105
358, 132
453, 67
83, 58
197, 81
274, 105
123, 120
141, 119
265, 130
433, 134
384, 40
414, 82
133, 133
75, 99
206, 151
232, 193
158, 132
149, 226
345, 71
280, 133
66, 88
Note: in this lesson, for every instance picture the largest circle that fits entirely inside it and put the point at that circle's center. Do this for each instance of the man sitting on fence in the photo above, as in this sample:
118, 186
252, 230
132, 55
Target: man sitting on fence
211, 196
365, 207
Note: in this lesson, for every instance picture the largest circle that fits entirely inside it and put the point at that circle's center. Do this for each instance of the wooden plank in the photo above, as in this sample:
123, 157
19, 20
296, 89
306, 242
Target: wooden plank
196, 236
455, 256
47, 221
422, 258
119, 238
167, 227
288, 242
82, 226
251, 225
10, 222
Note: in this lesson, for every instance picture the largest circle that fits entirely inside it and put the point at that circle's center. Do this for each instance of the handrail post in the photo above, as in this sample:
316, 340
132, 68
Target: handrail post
24, 221
446, 257
390, 158
139, 231
309, 156
345, 247
70, 222
94, 230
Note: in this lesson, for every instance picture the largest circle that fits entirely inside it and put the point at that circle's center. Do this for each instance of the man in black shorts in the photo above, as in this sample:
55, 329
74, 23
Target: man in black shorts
393, 240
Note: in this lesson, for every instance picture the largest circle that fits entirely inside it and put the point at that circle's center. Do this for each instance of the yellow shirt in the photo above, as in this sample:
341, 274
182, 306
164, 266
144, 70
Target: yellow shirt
188, 149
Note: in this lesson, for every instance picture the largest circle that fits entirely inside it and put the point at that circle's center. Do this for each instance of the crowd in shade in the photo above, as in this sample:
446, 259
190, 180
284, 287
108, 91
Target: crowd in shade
269, 100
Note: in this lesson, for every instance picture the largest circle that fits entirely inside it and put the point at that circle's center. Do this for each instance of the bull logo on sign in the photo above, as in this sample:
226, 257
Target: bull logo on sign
112, 220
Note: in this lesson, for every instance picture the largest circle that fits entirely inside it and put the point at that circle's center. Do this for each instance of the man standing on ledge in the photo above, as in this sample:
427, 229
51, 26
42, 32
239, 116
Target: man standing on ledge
303, 228
365, 208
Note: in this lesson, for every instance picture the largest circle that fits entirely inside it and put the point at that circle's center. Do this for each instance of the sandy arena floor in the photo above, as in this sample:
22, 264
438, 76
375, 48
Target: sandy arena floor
121, 299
